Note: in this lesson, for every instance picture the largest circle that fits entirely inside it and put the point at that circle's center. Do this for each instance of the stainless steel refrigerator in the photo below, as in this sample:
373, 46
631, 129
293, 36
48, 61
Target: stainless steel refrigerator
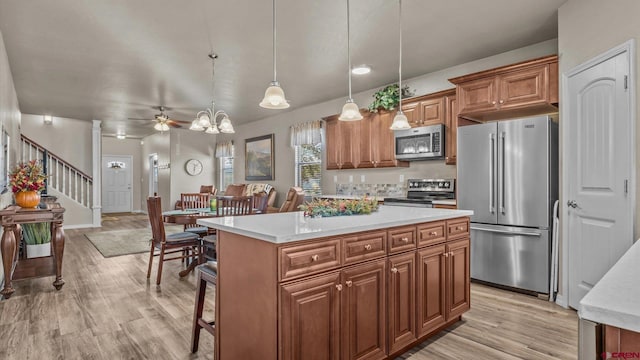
508, 175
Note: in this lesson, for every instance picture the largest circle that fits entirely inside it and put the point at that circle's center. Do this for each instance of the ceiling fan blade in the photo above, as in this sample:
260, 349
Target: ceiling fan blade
179, 121
173, 124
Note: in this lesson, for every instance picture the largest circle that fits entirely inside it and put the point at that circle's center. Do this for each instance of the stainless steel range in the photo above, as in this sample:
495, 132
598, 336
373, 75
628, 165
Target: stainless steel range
422, 192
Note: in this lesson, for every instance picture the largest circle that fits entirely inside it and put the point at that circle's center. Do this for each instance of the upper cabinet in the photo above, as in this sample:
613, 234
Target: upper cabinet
366, 143
522, 89
428, 109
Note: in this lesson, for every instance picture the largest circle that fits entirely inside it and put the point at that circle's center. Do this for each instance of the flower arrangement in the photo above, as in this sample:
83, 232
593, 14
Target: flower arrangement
327, 208
27, 176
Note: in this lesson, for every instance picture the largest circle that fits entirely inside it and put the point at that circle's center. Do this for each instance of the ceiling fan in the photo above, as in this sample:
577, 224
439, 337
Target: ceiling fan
162, 121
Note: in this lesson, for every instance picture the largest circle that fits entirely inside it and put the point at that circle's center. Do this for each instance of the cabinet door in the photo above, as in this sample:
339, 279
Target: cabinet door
349, 144
524, 87
402, 301
431, 289
412, 112
383, 140
310, 319
332, 144
364, 311
458, 292
432, 111
478, 95
451, 135
366, 144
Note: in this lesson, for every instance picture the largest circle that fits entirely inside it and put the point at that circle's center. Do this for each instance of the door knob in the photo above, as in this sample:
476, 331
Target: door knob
572, 203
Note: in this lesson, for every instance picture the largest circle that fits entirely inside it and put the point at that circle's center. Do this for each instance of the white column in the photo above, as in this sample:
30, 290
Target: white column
96, 156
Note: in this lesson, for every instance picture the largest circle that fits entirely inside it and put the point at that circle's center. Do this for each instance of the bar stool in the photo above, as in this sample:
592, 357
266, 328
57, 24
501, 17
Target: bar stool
207, 274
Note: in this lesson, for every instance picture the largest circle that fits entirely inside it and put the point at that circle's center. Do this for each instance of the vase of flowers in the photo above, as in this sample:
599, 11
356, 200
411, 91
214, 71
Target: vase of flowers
27, 180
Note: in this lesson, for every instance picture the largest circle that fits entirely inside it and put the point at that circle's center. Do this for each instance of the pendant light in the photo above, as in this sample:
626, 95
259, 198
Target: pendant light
207, 119
400, 121
274, 95
350, 111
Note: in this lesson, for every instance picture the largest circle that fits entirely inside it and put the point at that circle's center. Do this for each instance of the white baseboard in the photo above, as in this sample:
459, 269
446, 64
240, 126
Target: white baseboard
77, 226
562, 301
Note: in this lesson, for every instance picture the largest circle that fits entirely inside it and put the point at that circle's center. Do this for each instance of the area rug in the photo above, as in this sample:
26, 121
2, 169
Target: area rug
124, 242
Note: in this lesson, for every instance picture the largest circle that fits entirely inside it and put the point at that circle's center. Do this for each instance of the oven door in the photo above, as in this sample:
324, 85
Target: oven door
420, 143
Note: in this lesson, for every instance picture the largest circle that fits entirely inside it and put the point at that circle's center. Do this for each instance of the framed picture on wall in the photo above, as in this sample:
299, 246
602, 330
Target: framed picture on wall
259, 159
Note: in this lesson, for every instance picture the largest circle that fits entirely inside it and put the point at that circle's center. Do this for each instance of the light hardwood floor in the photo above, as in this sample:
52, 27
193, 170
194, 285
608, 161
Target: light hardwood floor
108, 310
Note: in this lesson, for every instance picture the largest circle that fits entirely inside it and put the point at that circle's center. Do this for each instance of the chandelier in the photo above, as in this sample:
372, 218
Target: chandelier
207, 119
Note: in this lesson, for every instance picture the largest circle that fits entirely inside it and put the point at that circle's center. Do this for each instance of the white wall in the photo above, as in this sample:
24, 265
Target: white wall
10, 120
281, 121
70, 139
158, 143
113, 146
187, 145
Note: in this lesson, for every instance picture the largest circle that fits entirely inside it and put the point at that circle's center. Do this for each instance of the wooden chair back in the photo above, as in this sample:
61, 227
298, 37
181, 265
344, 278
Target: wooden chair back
208, 189
260, 202
154, 209
295, 198
234, 205
234, 190
194, 200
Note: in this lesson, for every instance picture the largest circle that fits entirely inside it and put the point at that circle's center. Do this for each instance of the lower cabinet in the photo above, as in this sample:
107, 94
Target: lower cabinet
458, 274
402, 301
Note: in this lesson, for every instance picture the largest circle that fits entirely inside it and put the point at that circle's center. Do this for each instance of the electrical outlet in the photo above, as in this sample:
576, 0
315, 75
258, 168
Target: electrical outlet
401, 178
335, 178
350, 178
362, 178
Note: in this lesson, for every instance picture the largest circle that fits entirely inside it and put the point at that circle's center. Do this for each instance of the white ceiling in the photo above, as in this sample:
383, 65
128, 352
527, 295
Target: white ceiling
111, 60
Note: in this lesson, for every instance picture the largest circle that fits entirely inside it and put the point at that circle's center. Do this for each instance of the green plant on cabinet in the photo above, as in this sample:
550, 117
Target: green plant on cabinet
388, 98
36, 234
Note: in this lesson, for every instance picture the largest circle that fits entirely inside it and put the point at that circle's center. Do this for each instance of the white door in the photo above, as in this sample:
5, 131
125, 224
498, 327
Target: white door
599, 142
116, 183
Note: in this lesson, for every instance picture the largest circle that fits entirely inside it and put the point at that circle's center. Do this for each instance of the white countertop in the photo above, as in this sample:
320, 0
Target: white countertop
615, 299
349, 197
281, 228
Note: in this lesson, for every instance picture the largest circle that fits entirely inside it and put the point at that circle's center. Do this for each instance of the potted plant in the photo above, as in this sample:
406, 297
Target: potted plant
27, 180
38, 238
388, 98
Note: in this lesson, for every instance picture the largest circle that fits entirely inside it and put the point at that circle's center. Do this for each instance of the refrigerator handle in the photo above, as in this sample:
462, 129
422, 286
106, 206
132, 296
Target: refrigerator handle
519, 232
492, 146
503, 210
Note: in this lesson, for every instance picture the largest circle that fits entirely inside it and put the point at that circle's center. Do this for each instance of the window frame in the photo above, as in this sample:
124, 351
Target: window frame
298, 163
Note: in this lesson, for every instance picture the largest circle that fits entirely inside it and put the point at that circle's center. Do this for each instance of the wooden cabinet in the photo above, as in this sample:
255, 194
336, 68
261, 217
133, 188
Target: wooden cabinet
366, 143
458, 273
451, 130
617, 340
431, 276
425, 110
310, 319
402, 301
433, 111
342, 150
363, 311
443, 206
521, 89
412, 110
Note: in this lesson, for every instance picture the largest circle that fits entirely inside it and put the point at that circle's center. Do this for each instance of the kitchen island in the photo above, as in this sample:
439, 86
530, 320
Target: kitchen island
350, 287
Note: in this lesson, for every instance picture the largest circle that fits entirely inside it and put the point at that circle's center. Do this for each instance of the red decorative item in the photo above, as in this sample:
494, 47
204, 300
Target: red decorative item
27, 199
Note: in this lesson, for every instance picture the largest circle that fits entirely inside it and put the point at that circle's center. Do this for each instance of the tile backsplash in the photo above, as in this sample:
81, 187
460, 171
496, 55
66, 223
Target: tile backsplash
384, 190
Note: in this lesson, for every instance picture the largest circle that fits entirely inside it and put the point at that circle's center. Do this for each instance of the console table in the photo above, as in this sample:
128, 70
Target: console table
11, 218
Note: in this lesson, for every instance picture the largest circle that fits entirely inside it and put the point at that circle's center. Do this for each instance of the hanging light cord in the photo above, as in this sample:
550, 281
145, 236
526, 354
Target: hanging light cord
400, 64
213, 76
349, 49
274, 41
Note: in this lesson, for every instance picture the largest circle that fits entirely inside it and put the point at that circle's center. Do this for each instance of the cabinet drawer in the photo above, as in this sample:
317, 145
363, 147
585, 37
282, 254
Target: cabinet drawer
431, 233
309, 258
401, 239
364, 247
457, 228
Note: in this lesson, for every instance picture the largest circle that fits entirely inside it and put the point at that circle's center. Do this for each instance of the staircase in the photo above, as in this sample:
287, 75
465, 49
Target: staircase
63, 177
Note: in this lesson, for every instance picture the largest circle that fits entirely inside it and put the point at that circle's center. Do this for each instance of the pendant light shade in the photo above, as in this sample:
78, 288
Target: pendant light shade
400, 121
225, 126
350, 110
161, 126
274, 95
195, 125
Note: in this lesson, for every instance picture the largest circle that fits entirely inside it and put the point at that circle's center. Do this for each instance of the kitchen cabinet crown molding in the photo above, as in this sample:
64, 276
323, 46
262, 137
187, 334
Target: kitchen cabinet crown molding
504, 69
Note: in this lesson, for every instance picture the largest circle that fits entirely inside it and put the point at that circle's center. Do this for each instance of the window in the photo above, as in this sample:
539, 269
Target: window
226, 172
309, 168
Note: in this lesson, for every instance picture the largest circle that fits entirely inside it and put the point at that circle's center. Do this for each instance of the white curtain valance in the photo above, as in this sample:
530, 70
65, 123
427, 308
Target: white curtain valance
224, 149
306, 133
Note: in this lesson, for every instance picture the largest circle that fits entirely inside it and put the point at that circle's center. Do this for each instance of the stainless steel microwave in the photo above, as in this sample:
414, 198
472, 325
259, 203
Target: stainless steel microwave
421, 143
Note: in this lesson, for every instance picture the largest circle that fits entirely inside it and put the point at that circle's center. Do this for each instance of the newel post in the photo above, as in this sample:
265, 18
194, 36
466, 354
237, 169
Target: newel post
96, 155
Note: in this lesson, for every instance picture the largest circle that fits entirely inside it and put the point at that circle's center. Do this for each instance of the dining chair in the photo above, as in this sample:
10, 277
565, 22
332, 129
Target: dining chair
207, 275
260, 202
295, 198
208, 189
234, 190
234, 205
168, 244
195, 201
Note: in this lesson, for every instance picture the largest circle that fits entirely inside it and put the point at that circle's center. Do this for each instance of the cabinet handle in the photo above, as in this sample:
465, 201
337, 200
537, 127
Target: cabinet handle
501, 101
433, 233
339, 287
405, 240
450, 253
315, 258
446, 254
459, 228
493, 102
349, 283
367, 247
394, 270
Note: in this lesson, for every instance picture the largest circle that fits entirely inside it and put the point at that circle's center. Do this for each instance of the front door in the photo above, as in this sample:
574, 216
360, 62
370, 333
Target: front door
116, 183
598, 141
